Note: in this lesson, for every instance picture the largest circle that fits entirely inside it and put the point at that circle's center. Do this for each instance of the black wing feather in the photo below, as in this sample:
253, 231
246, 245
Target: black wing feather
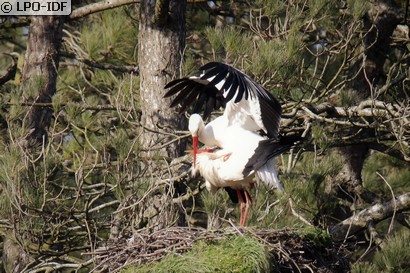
239, 95
189, 100
200, 102
220, 101
271, 113
219, 77
209, 66
177, 86
269, 148
266, 150
237, 86
173, 82
242, 86
228, 82
209, 106
230, 95
184, 92
211, 73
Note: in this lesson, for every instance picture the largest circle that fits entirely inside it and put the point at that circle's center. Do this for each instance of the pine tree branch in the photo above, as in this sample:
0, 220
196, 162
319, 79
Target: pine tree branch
367, 108
375, 213
99, 6
85, 107
391, 120
16, 22
106, 66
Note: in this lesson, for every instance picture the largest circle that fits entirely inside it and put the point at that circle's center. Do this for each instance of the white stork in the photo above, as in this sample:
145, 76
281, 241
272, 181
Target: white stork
236, 168
247, 132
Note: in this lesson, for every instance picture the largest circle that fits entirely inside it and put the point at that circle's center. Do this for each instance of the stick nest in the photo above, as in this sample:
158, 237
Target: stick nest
291, 252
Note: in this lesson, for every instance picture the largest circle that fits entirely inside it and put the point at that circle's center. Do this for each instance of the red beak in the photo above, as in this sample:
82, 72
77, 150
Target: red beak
195, 148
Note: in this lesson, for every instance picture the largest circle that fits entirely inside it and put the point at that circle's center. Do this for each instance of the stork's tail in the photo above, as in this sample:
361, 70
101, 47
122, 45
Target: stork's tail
269, 175
262, 161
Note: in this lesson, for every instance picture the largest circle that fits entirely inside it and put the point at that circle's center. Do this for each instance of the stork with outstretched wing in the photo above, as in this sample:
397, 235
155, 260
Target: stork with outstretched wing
244, 139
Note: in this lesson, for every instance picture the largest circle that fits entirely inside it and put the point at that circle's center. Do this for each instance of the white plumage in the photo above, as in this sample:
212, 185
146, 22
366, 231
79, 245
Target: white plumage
246, 135
225, 167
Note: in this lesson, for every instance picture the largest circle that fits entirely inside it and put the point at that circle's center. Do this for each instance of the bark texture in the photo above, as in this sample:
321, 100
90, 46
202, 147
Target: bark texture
161, 43
39, 76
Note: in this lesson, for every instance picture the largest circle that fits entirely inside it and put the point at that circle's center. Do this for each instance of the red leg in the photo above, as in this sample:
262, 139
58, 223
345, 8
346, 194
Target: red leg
248, 204
248, 198
242, 207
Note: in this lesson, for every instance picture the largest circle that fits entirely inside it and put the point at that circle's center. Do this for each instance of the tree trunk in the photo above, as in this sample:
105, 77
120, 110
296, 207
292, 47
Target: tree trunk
161, 44
39, 75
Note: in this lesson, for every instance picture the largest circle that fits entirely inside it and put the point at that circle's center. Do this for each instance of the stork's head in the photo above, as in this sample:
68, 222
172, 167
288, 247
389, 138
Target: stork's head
195, 125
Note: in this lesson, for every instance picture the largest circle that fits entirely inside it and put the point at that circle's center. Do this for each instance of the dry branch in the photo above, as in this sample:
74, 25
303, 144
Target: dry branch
391, 121
99, 6
375, 214
367, 108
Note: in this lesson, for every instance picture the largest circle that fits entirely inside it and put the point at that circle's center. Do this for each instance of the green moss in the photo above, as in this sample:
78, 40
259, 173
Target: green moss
234, 254
318, 237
